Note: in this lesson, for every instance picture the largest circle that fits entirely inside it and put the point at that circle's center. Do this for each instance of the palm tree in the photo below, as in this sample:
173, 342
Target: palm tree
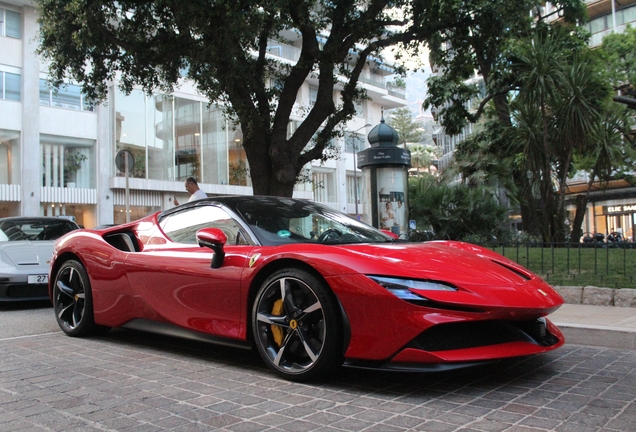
560, 90
422, 157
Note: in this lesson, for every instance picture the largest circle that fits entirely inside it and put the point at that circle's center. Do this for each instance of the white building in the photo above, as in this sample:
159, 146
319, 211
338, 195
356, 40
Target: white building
57, 153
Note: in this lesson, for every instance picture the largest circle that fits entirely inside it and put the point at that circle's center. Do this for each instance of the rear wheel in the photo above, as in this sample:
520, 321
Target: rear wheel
297, 325
73, 301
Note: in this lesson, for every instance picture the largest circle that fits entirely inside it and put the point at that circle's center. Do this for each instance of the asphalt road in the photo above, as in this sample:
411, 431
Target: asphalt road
26, 319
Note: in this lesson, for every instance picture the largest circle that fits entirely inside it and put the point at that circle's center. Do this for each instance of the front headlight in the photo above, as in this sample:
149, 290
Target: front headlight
401, 288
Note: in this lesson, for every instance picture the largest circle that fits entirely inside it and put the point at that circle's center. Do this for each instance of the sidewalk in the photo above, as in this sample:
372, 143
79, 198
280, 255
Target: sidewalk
602, 326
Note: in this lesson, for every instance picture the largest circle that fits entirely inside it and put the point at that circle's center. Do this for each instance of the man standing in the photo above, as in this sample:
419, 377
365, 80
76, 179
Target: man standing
192, 187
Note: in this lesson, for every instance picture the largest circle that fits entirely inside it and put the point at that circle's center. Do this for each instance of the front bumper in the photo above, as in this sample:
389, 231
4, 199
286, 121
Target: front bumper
11, 291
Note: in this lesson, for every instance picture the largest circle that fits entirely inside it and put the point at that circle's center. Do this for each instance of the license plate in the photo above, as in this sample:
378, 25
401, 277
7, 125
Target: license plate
38, 279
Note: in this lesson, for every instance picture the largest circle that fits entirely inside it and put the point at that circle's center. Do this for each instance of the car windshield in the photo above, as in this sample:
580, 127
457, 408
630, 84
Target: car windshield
34, 229
295, 221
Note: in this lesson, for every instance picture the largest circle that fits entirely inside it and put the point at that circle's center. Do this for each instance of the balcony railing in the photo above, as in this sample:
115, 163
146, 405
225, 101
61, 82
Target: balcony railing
283, 50
289, 52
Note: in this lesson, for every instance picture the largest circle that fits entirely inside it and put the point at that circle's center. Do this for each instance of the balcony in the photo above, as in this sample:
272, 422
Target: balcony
289, 52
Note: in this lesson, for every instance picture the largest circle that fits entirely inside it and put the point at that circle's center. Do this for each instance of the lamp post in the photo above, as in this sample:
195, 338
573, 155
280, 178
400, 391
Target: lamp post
355, 167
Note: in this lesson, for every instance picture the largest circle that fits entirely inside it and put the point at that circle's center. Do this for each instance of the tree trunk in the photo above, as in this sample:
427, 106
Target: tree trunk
273, 176
581, 207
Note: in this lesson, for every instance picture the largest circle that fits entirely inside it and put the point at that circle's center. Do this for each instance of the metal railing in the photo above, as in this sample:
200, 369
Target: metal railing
580, 264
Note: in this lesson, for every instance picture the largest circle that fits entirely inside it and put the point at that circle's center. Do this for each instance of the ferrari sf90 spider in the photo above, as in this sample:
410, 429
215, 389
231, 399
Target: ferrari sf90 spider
309, 287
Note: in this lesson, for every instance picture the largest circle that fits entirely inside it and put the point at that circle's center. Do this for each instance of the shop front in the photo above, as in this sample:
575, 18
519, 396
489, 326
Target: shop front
620, 218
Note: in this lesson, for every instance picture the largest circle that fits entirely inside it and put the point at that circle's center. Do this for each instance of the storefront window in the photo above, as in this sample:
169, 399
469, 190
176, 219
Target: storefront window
130, 130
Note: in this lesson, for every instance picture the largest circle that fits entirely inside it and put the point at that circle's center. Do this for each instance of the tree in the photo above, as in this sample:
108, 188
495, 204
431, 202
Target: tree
223, 48
422, 157
612, 150
560, 90
619, 52
409, 132
483, 46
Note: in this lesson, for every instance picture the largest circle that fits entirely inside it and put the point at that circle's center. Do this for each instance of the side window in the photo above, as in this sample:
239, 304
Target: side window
182, 227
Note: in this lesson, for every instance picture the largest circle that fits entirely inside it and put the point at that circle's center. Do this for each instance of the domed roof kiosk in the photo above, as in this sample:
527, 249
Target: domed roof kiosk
385, 169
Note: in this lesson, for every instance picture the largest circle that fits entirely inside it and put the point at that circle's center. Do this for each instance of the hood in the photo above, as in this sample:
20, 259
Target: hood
482, 277
28, 253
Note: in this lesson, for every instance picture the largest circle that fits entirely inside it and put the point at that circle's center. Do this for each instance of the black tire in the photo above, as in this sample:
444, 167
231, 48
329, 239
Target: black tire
73, 301
297, 326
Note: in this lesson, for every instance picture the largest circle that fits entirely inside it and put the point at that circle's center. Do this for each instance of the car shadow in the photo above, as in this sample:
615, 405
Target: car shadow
486, 376
23, 305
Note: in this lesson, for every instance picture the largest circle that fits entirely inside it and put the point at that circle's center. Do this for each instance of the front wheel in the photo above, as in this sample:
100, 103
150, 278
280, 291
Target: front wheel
73, 301
297, 326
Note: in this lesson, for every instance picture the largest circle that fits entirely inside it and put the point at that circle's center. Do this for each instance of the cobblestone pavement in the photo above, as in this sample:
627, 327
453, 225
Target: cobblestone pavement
129, 381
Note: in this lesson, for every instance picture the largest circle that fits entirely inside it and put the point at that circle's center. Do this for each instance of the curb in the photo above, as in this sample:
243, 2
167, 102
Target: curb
598, 336
598, 296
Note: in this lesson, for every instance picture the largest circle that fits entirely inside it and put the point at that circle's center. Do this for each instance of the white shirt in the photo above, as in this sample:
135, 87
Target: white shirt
197, 195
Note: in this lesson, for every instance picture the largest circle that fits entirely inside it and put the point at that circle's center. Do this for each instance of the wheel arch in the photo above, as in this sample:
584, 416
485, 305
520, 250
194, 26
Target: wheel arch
280, 264
59, 262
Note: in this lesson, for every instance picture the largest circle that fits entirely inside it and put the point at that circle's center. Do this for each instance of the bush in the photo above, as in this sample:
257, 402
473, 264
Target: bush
457, 211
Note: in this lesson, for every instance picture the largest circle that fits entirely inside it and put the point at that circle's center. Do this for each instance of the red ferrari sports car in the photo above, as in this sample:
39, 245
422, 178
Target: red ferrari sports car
310, 287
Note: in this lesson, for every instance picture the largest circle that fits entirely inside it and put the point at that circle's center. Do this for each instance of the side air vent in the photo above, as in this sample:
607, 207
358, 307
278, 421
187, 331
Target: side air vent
523, 275
125, 242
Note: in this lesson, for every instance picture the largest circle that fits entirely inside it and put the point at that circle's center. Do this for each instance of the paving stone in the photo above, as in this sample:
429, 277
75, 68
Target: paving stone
125, 384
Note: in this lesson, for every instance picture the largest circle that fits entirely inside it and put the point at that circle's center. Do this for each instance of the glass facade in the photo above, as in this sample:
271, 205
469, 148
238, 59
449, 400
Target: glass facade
187, 131
214, 146
130, 132
173, 138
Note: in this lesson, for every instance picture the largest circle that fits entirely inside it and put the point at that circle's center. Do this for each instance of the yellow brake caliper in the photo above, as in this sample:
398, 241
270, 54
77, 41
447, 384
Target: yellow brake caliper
277, 332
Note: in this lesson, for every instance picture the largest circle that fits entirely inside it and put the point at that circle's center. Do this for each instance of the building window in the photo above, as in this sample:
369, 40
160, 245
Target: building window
10, 23
69, 96
9, 86
324, 186
9, 157
623, 16
67, 162
351, 188
357, 106
313, 95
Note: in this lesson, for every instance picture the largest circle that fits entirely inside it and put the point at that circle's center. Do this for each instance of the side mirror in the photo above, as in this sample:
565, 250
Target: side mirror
214, 239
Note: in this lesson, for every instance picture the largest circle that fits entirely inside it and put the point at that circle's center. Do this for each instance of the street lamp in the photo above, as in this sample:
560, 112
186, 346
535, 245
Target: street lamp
355, 166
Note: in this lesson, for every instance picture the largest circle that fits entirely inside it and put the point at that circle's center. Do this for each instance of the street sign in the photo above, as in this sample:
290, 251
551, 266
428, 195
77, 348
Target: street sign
121, 158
